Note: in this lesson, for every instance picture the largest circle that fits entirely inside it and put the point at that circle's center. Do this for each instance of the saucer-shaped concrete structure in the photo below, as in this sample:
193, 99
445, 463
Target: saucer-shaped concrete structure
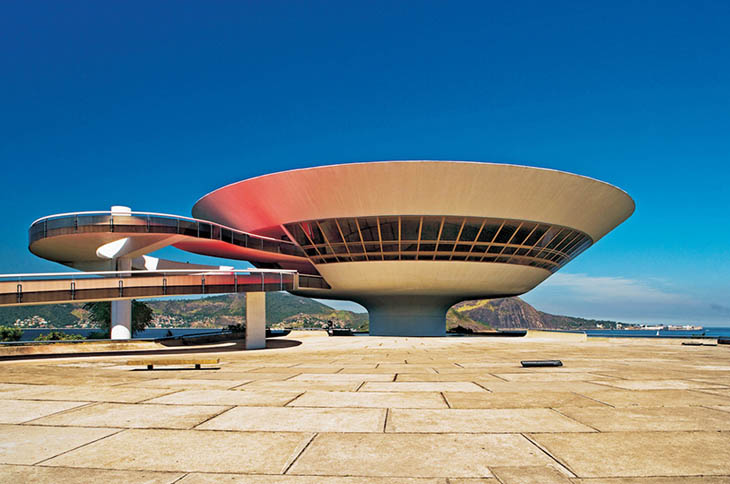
408, 239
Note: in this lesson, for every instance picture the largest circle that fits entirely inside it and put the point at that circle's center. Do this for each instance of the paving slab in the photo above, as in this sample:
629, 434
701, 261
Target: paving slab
184, 383
54, 475
239, 376
421, 387
19, 411
415, 455
101, 394
463, 376
275, 419
227, 397
295, 370
241, 479
651, 419
656, 480
20, 391
656, 398
370, 400
134, 416
482, 421
660, 384
529, 475
189, 451
640, 454
344, 377
540, 386
550, 376
299, 386
396, 368
518, 400
24, 444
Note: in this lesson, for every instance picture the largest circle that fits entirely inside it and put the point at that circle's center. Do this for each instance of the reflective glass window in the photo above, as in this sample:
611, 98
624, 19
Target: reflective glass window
349, 230
522, 233
409, 228
298, 234
430, 228
330, 231
470, 230
549, 236
368, 228
536, 234
506, 233
489, 231
389, 228
451, 228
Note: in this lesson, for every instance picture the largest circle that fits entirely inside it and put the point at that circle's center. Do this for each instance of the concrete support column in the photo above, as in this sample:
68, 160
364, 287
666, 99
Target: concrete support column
255, 320
407, 315
122, 309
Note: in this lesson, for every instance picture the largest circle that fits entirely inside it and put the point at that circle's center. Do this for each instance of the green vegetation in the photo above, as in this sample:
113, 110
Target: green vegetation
8, 333
101, 313
58, 336
231, 308
58, 315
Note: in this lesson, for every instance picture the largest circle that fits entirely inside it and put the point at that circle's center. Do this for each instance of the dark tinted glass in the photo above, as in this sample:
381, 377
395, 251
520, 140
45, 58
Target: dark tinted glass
369, 228
506, 233
330, 231
536, 235
451, 228
489, 231
409, 228
470, 230
441, 238
522, 233
430, 229
349, 229
389, 228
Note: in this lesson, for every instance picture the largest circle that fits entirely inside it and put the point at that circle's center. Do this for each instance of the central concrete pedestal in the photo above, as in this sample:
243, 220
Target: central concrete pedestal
407, 315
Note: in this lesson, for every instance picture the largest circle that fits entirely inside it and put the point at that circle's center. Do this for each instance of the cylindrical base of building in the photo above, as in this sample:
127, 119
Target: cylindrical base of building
407, 315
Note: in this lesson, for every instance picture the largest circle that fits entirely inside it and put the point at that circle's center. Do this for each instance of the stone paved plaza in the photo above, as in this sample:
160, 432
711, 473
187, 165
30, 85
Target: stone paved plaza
377, 410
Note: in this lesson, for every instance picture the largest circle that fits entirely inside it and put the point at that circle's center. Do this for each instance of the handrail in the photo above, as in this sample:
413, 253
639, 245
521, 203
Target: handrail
155, 214
144, 272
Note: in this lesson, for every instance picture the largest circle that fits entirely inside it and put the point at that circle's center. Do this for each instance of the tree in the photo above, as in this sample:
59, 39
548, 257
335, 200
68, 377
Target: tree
10, 334
101, 313
58, 336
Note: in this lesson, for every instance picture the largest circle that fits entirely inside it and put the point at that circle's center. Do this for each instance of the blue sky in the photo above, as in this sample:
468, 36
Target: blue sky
153, 104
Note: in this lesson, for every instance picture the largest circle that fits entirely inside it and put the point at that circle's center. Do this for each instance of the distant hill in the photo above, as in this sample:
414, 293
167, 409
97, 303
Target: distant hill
513, 312
279, 306
286, 310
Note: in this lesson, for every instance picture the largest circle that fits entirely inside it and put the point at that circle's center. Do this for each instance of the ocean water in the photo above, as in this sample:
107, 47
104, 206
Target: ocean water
31, 334
710, 332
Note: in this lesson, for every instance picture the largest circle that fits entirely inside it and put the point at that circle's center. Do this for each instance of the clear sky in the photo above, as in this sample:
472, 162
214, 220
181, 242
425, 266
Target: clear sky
153, 104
